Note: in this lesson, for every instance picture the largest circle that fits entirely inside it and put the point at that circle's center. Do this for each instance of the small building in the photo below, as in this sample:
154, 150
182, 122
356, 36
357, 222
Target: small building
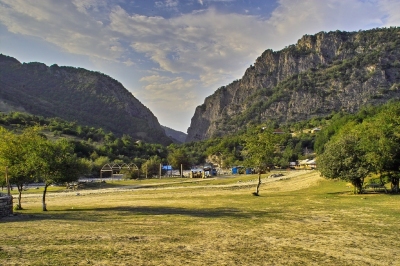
315, 130
167, 167
307, 164
209, 170
312, 164
278, 131
242, 170
235, 170
167, 170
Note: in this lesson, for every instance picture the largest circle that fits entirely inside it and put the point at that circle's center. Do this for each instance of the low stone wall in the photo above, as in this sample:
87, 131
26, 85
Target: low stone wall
6, 205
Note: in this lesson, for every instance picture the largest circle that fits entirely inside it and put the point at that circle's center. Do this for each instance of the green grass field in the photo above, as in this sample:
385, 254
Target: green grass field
300, 220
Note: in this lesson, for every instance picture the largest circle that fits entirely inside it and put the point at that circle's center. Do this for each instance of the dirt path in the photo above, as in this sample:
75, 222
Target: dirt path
294, 180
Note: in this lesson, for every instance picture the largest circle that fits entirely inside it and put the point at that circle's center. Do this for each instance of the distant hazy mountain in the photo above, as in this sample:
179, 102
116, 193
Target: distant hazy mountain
76, 94
321, 74
176, 136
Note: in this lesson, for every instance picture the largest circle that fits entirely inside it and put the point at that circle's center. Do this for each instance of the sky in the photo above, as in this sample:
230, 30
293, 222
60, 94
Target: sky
172, 54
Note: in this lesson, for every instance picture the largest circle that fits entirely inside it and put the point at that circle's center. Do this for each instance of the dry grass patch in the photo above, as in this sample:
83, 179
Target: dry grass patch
303, 220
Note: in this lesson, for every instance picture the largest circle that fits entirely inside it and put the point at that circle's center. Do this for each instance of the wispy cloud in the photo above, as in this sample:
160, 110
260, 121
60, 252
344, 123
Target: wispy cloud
62, 24
312, 16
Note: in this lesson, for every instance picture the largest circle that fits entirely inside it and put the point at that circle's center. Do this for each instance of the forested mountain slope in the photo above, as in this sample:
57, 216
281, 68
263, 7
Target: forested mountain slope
176, 136
76, 94
322, 73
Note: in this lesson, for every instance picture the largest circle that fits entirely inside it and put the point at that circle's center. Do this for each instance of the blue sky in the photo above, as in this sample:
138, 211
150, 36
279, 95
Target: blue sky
171, 54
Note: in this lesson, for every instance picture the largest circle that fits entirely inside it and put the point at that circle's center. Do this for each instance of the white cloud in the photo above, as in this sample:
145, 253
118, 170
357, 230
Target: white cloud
167, 4
295, 18
392, 10
171, 98
210, 1
193, 43
85, 5
61, 23
176, 89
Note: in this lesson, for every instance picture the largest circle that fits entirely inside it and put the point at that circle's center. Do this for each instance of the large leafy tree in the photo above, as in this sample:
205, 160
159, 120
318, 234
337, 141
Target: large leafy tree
18, 154
152, 166
260, 148
58, 164
177, 157
344, 158
381, 140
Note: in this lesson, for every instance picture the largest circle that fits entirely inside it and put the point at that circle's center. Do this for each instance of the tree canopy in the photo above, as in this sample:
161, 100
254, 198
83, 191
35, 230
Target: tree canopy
260, 148
18, 154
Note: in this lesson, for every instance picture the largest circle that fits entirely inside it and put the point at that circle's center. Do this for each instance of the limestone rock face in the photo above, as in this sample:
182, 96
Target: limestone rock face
321, 74
76, 94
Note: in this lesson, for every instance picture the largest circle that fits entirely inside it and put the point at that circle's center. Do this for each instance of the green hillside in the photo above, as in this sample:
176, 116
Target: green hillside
76, 94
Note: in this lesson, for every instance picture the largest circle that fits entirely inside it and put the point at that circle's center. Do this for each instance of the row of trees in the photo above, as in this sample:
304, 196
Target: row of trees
350, 147
100, 147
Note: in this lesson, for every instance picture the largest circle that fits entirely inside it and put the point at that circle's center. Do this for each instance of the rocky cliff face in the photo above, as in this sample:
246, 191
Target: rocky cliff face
322, 73
75, 94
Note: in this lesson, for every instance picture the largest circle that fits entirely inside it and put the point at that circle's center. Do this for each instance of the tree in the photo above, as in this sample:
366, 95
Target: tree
344, 159
381, 140
260, 150
98, 163
17, 152
178, 157
58, 164
151, 166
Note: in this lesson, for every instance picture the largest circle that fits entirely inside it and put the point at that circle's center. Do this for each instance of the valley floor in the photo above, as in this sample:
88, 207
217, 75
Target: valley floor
299, 219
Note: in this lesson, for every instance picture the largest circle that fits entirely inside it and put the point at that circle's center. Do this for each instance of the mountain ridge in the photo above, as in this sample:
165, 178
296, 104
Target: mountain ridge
76, 94
320, 74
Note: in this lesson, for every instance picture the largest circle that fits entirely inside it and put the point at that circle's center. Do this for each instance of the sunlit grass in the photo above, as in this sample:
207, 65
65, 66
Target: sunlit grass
206, 222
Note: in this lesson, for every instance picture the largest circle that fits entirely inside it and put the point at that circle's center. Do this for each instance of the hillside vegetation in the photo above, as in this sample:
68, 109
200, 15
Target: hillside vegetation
76, 94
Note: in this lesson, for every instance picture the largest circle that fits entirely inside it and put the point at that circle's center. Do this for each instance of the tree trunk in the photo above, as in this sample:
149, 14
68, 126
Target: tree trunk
358, 185
258, 185
20, 187
44, 197
395, 185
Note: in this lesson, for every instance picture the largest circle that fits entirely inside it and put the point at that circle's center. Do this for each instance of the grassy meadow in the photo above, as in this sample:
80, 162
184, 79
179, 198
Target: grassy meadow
300, 219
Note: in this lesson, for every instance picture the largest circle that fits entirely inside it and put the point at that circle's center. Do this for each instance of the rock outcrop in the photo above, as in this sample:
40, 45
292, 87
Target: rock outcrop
321, 74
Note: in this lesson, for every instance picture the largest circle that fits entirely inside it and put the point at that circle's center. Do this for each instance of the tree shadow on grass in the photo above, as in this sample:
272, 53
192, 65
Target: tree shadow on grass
104, 214
162, 210
369, 192
346, 192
